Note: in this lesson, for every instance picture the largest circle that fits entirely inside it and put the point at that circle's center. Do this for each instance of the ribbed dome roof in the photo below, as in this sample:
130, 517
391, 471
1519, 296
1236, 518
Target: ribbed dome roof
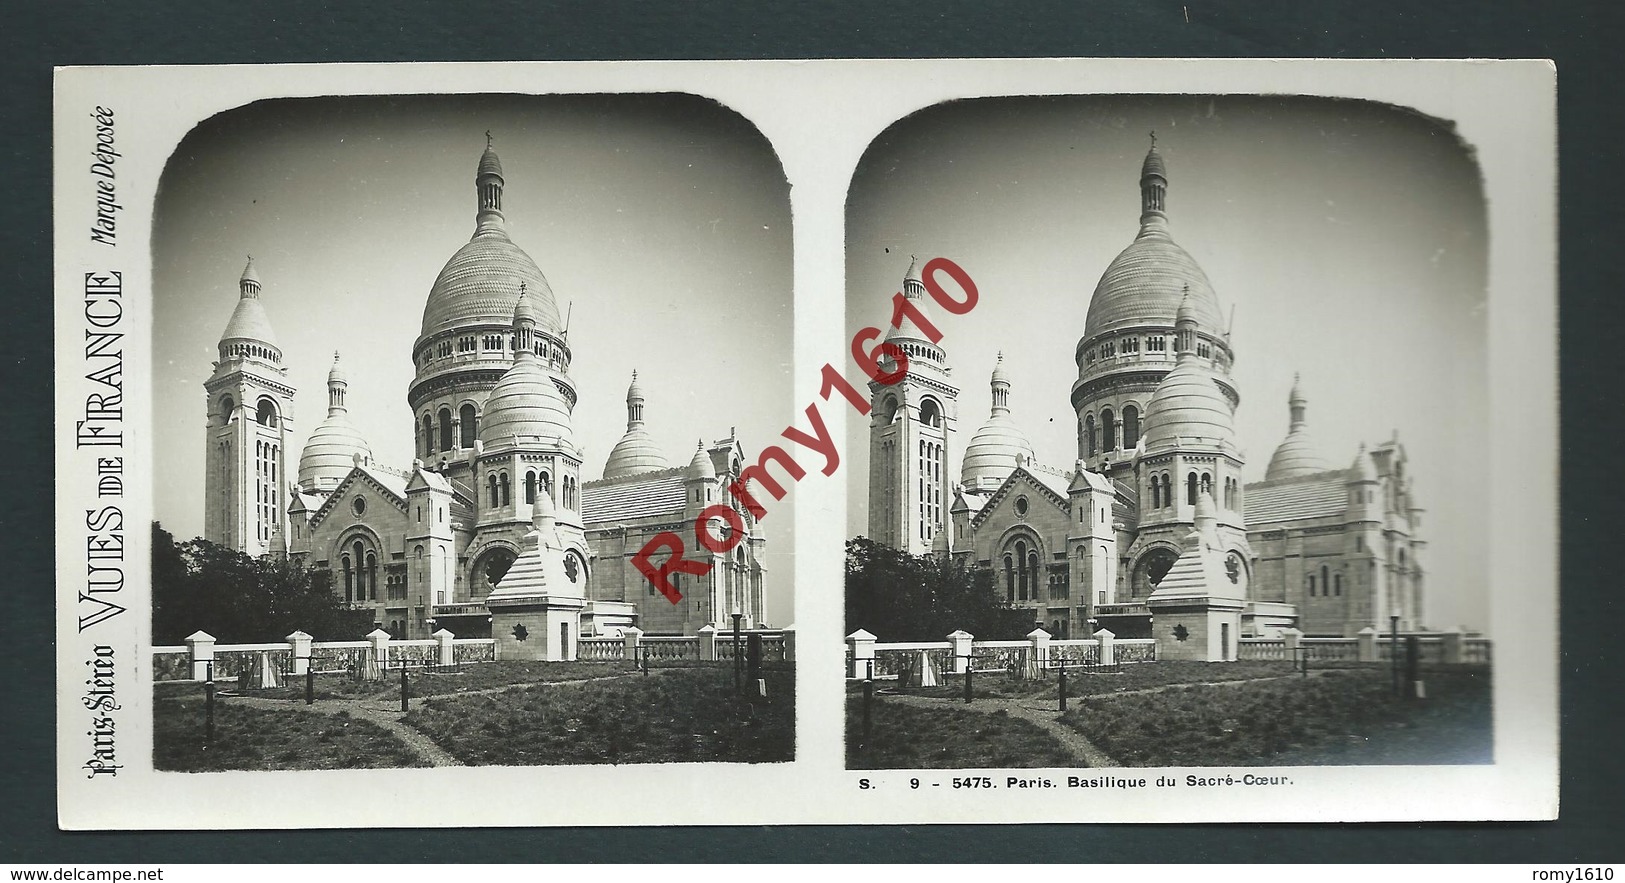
1147, 280
636, 452
1187, 404
525, 403
1145, 283
330, 452
480, 286
249, 322
992, 452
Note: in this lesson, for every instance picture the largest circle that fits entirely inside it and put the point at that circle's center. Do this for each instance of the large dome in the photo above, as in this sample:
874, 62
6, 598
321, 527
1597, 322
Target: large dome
1144, 285
480, 286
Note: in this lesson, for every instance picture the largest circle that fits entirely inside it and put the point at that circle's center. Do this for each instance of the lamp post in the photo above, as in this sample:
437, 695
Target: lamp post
1393, 648
737, 615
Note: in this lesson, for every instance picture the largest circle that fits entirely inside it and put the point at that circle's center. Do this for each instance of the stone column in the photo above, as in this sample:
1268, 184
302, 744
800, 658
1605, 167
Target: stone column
1452, 645
299, 646
862, 645
1108, 648
448, 655
631, 636
1366, 640
200, 647
959, 644
1037, 653
377, 655
708, 643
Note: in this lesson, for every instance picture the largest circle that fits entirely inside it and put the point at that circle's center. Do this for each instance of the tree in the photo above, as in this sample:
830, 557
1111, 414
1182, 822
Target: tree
237, 599
902, 597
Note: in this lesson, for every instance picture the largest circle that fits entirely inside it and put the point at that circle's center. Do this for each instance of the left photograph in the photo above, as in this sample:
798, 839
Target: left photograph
431, 377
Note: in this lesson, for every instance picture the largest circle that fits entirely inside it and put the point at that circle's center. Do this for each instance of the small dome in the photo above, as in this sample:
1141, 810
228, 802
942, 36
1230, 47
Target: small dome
994, 452
701, 466
527, 404
1187, 404
1153, 164
999, 374
336, 374
490, 164
634, 391
330, 452
635, 453
249, 275
1361, 469
1297, 454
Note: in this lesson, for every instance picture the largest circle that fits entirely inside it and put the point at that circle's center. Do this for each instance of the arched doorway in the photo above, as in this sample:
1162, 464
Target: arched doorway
1149, 571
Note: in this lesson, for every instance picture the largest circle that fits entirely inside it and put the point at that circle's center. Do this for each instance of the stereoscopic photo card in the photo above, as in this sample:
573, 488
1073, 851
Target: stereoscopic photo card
805, 442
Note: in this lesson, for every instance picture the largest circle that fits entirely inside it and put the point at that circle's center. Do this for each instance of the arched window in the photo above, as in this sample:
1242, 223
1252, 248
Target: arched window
1156, 492
545, 483
227, 406
1167, 491
445, 429
530, 487
349, 580
428, 435
1032, 565
468, 425
1021, 580
1325, 579
502, 483
266, 415
1190, 489
1009, 579
1207, 484
930, 413
1337, 584
1311, 585
888, 409
1108, 431
1131, 427
372, 577
491, 485
1089, 432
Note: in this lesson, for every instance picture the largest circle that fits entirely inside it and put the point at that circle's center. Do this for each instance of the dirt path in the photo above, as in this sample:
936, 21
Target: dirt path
386, 712
1042, 715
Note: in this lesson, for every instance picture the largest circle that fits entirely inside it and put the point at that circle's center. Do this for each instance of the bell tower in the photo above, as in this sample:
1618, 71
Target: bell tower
250, 421
911, 435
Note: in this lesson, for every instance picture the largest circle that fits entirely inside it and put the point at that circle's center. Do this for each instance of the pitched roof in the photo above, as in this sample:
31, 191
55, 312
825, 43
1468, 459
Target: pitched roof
637, 496
1312, 496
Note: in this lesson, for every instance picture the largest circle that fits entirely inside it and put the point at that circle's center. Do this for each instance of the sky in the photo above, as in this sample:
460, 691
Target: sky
1348, 238
661, 222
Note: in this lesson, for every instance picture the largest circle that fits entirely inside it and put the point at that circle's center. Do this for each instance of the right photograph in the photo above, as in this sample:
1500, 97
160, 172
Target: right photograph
1183, 458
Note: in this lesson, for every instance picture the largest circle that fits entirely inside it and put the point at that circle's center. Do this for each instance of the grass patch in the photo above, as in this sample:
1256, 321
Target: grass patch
1346, 716
907, 737
1134, 676
257, 739
684, 713
469, 678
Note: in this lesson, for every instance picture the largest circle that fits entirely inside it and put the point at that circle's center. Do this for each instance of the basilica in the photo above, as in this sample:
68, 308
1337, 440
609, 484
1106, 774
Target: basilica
1152, 528
497, 475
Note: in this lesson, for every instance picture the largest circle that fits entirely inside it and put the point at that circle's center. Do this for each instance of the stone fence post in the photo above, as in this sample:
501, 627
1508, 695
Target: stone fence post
959, 646
448, 655
200, 647
631, 637
1108, 649
708, 643
377, 655
1037, 653
862, 645
1366, 640
1292, 639
299, 647
1451, 640
790, 643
